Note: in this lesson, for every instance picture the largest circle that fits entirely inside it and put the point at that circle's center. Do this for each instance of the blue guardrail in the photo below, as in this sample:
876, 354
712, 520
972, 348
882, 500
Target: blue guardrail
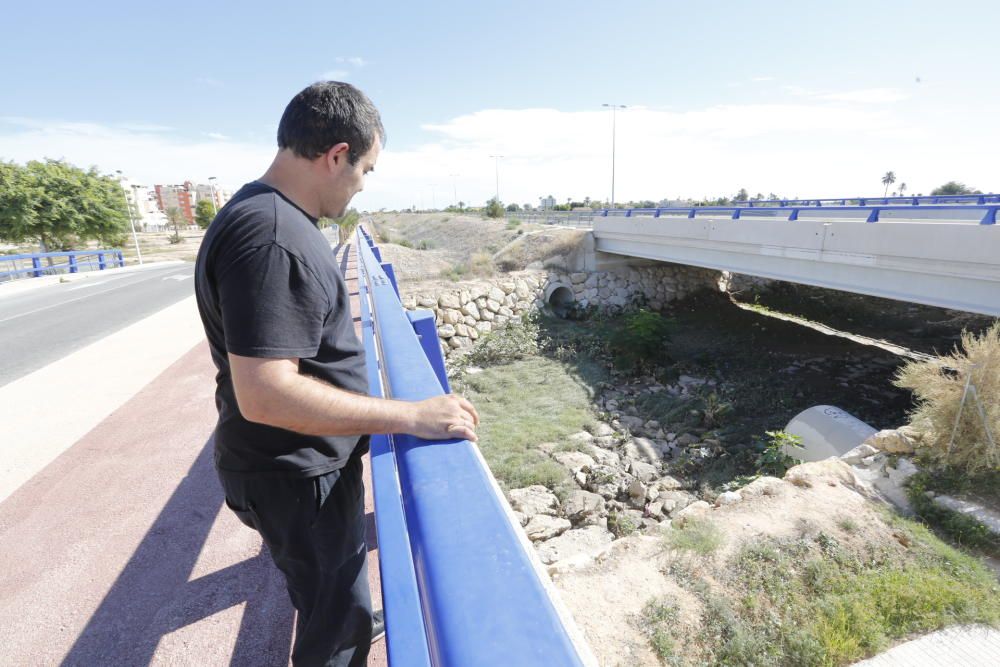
460, 584
75, 260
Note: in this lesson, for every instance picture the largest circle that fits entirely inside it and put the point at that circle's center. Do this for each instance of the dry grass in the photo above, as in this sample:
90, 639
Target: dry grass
939, 386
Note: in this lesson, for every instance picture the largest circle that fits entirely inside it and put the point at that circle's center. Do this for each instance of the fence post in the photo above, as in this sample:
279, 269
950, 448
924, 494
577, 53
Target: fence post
426, 330
36, 263
72, 264
101, 263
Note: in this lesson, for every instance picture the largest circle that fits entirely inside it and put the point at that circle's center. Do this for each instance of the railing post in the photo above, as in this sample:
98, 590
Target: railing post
426, 330
72, 263
390, 273
991, 216
794, 215
36, 263
873, 216
121, 258
377, 253
101, 262
736, 214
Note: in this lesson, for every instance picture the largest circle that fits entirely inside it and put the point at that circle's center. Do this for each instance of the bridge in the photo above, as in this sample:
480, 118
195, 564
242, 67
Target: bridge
943, 254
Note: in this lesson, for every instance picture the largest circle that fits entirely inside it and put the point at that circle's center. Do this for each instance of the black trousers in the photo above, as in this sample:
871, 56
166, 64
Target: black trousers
314, 529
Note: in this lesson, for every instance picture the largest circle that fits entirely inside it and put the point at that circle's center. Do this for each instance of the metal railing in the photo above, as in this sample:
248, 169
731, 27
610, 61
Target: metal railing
913, 200
984, 214
460, 582
30, 265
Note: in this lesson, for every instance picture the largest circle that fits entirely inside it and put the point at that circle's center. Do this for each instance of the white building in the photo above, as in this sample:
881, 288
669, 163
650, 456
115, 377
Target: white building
142, 204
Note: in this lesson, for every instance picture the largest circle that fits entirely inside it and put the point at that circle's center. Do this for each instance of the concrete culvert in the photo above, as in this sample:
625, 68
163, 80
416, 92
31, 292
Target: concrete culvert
560, 299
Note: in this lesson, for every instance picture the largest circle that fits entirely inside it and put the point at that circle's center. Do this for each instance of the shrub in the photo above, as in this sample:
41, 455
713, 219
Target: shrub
698, 535
641, 342
513, 223
494, 209
515, 340
773, 460
960, 435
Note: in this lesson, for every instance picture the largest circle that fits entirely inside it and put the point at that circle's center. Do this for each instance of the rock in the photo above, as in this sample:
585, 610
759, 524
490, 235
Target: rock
484, 327
668, 483
580, 506
449, 300
728, 498
507, 286
427, 301
830, 471
471, 310
544, 527
578, 278
637, 490
686, 440
644, 449
607, 457
674, 501
652, 425
696, 508
764, 486
547, 447
602, 430
582, 437
645, 472
492, 306
534, 500
496, 294
446, 331
574, 461
582, 543
892, 441
904, 470
858, 454
634, 424
451, 316
487, 315
461, 330
521, 519
607, 481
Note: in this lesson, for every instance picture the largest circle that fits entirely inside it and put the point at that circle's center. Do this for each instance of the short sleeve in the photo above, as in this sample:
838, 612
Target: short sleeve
272, 305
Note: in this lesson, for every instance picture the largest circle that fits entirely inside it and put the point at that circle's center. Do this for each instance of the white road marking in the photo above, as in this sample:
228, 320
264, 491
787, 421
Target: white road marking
79, 298
175, 277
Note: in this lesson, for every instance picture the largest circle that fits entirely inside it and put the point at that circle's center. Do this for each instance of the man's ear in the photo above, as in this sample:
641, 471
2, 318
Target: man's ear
337, 153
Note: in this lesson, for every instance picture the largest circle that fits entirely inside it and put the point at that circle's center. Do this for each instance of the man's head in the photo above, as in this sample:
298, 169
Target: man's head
336, 129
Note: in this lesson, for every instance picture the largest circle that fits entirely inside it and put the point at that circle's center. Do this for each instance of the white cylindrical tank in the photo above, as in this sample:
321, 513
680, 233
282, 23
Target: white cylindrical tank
826, 431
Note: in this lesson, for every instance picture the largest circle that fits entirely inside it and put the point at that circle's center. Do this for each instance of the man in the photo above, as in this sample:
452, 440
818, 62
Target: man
291, 384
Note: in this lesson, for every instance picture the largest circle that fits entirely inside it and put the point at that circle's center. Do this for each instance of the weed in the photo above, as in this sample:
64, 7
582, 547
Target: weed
641, 342
847, 524
698, 535
620, 524
957, 397
773, 460
658, 621
964, 530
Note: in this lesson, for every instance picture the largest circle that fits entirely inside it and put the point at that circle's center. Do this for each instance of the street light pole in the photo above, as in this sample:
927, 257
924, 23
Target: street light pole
497, 159
128, 209
613, 107
454, 188
211, 184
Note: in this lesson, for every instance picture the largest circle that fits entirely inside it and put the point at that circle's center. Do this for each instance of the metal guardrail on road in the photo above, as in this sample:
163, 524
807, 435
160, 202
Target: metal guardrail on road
30, 265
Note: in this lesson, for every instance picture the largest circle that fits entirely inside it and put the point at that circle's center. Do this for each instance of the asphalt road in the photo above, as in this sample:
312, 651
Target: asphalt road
42, 325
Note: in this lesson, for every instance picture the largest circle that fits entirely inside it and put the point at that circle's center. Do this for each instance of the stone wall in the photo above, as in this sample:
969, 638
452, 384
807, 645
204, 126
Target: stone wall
659, 284
467, 311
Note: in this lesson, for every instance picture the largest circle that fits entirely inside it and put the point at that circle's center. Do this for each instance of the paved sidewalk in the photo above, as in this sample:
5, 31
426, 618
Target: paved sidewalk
968, 646
120, 551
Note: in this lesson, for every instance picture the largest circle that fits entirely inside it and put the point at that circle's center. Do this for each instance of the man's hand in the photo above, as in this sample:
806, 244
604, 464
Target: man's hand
445, 417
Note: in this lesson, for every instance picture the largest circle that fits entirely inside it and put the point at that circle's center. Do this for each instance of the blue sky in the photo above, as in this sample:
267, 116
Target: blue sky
799, 98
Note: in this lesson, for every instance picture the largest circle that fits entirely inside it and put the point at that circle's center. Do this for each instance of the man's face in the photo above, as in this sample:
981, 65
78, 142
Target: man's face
346, 180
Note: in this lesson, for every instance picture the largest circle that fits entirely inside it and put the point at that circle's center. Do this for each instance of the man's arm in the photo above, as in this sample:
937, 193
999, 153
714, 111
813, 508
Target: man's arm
273, 392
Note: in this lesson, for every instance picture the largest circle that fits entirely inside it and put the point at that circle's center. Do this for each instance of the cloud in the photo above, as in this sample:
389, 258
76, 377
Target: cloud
761, 79
334, 75
217, 135
356, 61
868, 96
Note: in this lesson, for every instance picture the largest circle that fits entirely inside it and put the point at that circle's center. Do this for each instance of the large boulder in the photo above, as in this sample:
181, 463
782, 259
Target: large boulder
543, 527
583, 507
574, 461
892, 441
534, 500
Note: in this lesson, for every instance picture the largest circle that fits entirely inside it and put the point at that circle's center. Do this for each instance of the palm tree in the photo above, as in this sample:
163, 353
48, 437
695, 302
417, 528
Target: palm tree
902, 189
887, 180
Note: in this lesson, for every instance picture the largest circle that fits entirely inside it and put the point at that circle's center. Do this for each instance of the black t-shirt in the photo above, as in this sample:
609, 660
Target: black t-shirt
268, 286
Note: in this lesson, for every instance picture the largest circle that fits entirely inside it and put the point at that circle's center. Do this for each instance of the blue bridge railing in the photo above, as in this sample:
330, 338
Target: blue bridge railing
31, 265
460, 582
985, 214
912, 200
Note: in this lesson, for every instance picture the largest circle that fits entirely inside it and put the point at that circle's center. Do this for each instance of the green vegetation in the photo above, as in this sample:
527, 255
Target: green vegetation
621, 525
958, 403
60, 206
494, 209
522, 404
658, 621
820, 602
513, 223
964, 530
176, 220
641, 343
698, 535
955, 188
773, 460
204, 213
515, 340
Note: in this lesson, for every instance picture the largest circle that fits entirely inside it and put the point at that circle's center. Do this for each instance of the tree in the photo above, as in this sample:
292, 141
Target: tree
887, 180
954, 188
513, 208
494, 209
742, 195
902, 189
176, 218
60, 205
204, 213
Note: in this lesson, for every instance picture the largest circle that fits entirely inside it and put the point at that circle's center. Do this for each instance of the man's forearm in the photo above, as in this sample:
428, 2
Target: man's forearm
306, 405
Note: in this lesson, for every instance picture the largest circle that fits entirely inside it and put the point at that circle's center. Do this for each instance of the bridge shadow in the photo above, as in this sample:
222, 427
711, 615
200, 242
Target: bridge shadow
154, 596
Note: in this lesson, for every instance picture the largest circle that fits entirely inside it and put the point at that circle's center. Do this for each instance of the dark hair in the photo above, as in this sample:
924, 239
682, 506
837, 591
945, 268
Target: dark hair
328, 113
